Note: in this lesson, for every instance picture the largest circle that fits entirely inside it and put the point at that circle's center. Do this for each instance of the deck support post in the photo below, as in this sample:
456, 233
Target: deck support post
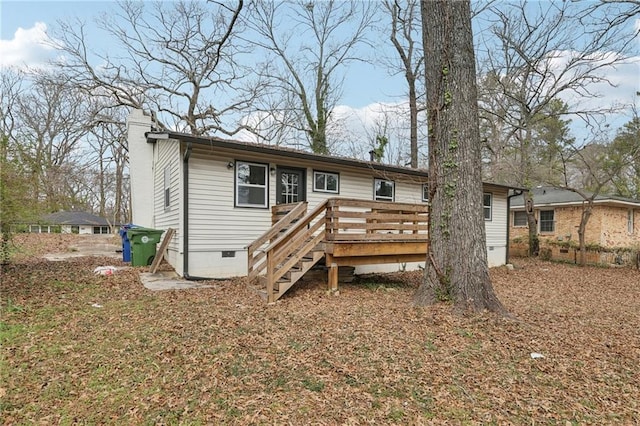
332, 276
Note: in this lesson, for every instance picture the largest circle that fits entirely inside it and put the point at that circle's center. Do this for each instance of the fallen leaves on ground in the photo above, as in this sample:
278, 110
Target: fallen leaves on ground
85, 348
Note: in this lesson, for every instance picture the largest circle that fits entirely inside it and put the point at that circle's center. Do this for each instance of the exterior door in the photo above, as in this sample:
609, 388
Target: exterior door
290, 185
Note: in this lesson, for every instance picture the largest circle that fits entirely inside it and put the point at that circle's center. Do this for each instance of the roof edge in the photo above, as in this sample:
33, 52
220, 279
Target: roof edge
155, 136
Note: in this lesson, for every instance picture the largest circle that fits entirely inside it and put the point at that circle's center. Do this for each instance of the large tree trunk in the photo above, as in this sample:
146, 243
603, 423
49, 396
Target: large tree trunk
456, 268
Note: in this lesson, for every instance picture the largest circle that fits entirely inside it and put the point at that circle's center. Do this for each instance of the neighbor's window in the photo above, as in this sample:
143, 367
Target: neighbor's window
547, 221
326, 182
251, 185
425, 192
630, 221
520, 219
486, 203
101, 230
167, 185
384, 190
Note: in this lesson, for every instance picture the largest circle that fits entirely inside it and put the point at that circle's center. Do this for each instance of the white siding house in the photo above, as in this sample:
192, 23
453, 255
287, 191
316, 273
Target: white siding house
217, 194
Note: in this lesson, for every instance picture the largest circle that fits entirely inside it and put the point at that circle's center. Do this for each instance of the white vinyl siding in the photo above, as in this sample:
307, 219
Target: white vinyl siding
168, 184
496, 228
214, 221
217, 225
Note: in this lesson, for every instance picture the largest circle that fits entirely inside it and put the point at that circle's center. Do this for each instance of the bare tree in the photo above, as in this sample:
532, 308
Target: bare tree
53, 119
180, 60
107, 168
455, 181
11, 87
539, 53
405, 37
308, 45
611, 13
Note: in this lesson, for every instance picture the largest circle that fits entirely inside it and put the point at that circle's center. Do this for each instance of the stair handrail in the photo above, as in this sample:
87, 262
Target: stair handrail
298, 211
298, 225
282, 250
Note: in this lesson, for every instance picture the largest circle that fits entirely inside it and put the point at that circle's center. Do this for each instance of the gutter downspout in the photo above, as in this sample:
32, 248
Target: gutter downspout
185, 212
516, 193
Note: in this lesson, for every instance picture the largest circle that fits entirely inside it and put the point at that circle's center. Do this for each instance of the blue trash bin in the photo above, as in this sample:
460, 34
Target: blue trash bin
126, 243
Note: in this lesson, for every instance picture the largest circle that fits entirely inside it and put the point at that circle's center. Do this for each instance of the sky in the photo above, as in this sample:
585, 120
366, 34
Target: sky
24, 24
23, 35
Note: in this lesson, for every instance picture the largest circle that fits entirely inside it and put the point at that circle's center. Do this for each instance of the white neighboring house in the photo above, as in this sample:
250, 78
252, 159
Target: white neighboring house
217, 194
71, 222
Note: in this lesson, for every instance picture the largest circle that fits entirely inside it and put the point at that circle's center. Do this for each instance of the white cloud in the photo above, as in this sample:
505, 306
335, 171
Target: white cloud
29, 48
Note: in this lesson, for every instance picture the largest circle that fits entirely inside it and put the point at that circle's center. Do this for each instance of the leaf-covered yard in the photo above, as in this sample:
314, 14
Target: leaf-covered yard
84, 348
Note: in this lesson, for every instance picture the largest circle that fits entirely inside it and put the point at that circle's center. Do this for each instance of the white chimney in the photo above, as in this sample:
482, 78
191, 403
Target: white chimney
140, 168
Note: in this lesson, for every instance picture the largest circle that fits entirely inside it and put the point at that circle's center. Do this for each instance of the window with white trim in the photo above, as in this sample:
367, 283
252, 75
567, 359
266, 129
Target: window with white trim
487, 203
251, 184
520, 218
630, 221
547, 221
383, 190
425, 192
326, 182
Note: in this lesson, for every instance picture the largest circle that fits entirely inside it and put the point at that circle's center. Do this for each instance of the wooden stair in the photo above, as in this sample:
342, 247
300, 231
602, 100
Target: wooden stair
283, 254
292, 276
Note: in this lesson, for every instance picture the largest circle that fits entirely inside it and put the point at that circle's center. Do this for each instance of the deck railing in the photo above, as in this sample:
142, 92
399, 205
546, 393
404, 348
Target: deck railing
361, 220
342, 230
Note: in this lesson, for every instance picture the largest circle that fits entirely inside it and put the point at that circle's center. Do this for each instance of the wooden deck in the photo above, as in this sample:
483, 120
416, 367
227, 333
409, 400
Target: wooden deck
345, 232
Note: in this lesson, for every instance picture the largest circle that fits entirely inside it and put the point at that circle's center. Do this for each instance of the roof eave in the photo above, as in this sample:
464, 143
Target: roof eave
152, 137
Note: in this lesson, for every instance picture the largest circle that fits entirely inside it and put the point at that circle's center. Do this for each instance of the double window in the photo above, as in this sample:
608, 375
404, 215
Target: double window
326, 182
383, 190
101, 230
251, 184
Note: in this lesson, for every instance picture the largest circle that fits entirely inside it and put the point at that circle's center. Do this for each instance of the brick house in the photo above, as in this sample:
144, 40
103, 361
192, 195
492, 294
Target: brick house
614, 223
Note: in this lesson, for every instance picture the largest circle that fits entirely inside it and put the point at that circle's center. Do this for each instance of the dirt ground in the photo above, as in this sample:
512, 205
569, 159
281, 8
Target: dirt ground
82, 348
64, 246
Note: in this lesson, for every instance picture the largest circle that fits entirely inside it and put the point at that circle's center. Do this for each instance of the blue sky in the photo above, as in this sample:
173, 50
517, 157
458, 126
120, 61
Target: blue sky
23, 25
20, 36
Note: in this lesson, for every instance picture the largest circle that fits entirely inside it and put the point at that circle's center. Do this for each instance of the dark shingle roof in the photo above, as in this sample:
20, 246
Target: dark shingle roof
548, 196
214, 141
75, 218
